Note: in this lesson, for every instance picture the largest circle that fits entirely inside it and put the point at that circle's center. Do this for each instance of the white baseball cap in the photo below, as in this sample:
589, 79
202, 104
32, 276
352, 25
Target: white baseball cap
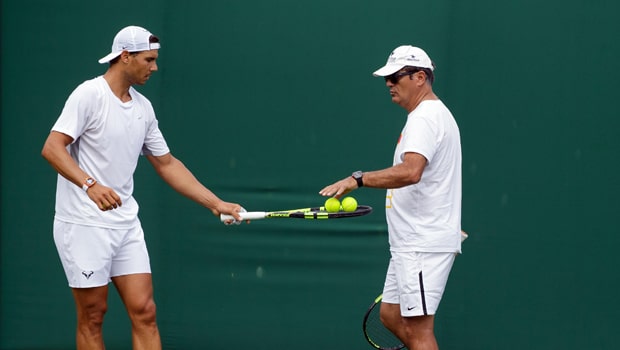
402, 56
132, 39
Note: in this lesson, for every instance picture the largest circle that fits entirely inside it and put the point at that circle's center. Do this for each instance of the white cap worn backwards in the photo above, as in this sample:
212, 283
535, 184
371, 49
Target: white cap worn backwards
132, 39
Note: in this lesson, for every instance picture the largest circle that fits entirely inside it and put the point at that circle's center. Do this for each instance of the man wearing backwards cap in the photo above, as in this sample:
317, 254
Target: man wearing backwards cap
423, 202
94, 145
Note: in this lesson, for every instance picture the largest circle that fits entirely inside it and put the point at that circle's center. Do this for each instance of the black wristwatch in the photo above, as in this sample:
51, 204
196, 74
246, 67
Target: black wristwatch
357, 175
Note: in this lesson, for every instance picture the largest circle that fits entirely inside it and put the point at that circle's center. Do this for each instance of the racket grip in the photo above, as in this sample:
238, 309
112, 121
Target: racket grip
250, 215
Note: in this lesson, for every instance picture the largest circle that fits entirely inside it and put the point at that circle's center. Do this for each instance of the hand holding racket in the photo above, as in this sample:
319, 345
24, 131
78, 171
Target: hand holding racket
230, 220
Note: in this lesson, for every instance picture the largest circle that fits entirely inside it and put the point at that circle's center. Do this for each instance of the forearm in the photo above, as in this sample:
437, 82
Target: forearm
57, 156
177, 176
392, 177
407, 173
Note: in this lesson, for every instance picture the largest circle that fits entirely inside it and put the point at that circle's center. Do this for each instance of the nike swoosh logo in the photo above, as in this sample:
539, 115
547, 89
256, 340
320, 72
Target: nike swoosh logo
410, 308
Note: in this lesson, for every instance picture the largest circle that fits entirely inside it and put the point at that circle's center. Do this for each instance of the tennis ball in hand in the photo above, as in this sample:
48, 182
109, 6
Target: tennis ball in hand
332, 205
349, 204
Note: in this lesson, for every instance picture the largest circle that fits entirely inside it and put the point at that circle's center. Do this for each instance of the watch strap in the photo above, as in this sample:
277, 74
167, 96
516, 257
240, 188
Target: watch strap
358, 178
88, 183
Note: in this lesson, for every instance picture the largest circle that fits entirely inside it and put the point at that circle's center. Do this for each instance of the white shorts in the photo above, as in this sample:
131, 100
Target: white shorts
92, 255
416, 281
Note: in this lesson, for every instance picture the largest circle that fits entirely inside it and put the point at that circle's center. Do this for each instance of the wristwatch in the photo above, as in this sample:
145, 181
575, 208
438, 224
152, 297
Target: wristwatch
88, 183
357, 175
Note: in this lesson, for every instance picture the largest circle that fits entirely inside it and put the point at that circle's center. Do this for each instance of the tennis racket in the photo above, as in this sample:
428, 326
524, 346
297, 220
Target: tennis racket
317, 213
375, 332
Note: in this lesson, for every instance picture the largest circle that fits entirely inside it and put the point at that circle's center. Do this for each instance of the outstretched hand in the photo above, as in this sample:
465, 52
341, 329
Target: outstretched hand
340, 188
230, 209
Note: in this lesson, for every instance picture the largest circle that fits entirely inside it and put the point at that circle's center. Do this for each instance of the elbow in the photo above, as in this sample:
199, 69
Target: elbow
414, 178
45, 152
54, 147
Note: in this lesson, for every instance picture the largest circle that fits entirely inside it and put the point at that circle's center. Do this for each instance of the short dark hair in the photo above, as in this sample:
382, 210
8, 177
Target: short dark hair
430, 76
153, 39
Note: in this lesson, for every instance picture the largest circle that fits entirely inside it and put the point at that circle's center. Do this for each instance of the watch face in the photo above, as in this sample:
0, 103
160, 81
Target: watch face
357, 174
90, 181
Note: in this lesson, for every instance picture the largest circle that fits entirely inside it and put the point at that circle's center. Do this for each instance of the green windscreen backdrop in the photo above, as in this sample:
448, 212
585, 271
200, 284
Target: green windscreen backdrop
267, 102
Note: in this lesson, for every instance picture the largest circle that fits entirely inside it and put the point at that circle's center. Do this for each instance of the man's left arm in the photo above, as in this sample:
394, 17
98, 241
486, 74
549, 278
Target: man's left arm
174, 172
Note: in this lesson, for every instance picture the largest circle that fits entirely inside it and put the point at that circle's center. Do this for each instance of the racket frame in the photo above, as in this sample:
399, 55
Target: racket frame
376, 303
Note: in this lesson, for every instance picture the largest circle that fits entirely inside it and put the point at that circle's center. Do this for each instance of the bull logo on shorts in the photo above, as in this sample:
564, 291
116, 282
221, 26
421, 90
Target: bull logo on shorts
87, 274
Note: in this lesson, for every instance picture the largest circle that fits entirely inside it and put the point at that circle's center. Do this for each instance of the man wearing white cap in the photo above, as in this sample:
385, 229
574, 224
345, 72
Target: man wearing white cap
94, 145
423, 201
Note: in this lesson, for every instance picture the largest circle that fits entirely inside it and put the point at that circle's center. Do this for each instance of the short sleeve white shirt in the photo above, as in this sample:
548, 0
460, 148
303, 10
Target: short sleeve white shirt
108, 137
426, 216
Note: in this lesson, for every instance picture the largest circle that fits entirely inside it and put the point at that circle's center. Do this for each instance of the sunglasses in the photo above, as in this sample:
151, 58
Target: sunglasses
394, 78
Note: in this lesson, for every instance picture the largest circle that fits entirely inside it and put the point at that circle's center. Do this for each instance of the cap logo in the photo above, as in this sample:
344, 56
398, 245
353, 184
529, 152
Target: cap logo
408, 58
392, 57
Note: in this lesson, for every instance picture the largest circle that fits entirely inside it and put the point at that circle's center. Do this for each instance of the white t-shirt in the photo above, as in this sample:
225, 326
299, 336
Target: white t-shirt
108, 137
426, 216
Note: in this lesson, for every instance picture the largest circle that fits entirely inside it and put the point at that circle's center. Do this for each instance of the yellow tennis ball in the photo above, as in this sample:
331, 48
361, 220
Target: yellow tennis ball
349, 204
332, 205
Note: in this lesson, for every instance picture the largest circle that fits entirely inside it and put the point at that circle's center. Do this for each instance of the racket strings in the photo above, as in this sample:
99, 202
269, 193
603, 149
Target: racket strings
377, 334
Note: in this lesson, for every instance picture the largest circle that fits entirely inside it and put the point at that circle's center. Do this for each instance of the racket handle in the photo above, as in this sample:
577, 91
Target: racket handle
250, 215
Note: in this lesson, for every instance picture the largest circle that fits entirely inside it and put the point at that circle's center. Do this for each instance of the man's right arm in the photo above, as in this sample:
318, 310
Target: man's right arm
407, 173
55, 152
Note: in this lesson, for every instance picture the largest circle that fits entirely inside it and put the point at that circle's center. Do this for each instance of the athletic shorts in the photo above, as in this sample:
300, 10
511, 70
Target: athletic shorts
92, 255
416, 281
